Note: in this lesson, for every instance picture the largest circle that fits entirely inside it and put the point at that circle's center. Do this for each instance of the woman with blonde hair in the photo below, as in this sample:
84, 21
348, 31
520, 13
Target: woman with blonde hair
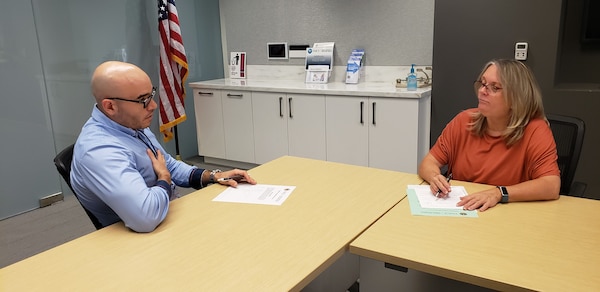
505, 142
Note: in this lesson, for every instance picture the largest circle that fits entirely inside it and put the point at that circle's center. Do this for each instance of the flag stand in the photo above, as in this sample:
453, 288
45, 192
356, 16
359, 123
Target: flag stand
177, 156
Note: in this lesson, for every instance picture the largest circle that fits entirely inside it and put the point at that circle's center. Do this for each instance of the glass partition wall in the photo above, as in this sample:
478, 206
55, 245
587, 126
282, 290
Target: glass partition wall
48, 51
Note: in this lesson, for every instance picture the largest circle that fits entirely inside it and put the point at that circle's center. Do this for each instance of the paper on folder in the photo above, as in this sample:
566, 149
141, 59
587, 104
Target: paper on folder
429, 200
423, 202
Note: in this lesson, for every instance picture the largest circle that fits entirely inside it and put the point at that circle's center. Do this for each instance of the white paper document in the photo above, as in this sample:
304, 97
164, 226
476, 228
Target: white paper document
255, 194
429, 200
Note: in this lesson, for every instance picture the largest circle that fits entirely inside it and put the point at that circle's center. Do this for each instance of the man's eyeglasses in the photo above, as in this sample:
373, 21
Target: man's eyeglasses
145, 101
489, 88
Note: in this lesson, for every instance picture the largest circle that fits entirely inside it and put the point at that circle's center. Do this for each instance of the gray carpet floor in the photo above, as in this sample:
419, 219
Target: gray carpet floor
35, 231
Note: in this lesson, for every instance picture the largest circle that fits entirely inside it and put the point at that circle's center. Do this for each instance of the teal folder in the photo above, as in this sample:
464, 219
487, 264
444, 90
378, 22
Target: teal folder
416, 209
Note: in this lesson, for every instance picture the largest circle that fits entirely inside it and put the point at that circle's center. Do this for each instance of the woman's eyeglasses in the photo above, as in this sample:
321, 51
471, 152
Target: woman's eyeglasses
489, 88
145, 101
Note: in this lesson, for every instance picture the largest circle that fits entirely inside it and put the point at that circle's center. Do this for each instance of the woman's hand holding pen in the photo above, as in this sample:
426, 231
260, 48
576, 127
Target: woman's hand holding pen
440, 185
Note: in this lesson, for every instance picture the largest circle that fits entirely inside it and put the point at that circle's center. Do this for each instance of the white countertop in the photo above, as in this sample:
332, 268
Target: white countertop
368, 89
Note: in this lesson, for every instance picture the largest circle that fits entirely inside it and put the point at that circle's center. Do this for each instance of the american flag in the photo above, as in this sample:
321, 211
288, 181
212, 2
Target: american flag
173, 69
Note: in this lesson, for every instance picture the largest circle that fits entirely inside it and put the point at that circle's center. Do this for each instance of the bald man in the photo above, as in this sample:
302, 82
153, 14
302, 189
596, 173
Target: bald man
119, 171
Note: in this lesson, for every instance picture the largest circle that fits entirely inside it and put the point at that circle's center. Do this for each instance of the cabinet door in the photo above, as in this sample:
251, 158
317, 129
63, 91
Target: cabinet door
237, 124
306, 126
393, 134
209, 123
270, 125
347, 120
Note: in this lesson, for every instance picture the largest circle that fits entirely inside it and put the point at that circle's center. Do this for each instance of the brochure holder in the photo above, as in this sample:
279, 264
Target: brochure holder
355, 69
319, 62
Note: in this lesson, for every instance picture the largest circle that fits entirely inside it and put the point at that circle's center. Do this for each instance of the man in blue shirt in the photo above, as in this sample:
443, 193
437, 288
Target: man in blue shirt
119, 170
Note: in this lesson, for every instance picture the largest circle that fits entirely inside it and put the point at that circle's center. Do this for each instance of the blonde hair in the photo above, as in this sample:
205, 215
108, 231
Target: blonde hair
521, 92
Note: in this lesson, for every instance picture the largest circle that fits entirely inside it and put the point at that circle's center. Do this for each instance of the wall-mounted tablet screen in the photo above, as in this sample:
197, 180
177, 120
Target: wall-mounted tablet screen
277, 50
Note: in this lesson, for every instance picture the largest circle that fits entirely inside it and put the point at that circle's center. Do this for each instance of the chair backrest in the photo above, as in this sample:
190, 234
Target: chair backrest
62, 161
568, 133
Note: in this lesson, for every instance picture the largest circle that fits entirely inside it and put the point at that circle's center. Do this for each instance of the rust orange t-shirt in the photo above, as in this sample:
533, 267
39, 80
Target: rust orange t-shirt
489, 160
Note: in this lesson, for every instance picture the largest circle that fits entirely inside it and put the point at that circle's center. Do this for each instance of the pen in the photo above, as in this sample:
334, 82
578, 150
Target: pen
448, 178
236, 177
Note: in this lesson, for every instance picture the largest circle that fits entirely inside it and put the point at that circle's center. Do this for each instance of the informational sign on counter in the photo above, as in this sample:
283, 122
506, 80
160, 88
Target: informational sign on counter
237, 65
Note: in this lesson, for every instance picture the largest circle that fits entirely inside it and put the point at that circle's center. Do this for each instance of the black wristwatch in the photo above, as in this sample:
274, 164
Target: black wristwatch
504, 193
211, 177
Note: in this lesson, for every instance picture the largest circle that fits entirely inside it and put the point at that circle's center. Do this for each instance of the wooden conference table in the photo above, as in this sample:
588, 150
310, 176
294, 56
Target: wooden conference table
214, 246
542, 246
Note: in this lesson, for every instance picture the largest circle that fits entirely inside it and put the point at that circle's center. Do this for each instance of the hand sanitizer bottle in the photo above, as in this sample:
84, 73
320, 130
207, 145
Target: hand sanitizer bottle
411, 80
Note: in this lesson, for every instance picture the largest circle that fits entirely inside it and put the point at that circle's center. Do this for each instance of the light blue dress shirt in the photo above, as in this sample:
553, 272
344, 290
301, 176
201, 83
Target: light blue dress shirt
113, 176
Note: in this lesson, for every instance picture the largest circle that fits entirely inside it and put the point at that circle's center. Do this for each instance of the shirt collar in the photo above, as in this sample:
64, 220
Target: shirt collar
103, 119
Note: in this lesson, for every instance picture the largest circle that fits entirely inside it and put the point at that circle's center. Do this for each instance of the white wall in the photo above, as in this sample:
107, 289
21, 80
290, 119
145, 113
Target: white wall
392, 32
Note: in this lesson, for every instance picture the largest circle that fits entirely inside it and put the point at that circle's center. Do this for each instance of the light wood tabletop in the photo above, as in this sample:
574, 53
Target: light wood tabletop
215, 246
542, 246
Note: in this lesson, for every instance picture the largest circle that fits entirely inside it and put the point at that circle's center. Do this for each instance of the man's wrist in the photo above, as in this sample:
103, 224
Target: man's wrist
165, 177
196, 178
211, 176
166, 186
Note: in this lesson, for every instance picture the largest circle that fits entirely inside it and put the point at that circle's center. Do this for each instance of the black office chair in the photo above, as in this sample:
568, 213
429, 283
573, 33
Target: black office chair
568, 133
62, 161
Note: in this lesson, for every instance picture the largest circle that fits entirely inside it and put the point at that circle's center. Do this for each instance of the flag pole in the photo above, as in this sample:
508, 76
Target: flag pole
177, 156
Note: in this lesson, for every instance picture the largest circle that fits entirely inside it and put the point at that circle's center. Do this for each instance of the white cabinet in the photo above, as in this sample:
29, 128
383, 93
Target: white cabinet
376, 132
270, 113
374, 125
394, 134
347, 129
238, 125
224, 124
306, 126
288, 124
209, 122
